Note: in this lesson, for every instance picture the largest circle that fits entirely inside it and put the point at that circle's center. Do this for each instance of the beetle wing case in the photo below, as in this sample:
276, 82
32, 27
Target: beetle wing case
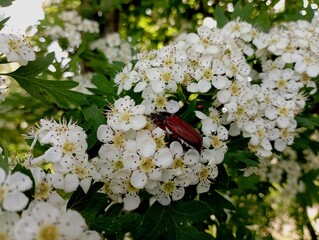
178, 128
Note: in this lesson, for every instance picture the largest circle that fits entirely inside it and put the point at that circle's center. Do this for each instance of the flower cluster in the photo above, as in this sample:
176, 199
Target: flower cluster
16, 49
113, 48
45, 221
222, 62
73, 26
67, 154
135, 156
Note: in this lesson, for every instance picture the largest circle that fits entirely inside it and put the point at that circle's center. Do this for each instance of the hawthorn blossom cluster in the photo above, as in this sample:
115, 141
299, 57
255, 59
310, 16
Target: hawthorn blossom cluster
67, 155
73, 26
224, 63
41, 220
31, 204
135, 156
113, 48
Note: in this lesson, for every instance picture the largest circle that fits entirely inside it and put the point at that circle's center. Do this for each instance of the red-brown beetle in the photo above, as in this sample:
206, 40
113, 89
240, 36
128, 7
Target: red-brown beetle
180, 129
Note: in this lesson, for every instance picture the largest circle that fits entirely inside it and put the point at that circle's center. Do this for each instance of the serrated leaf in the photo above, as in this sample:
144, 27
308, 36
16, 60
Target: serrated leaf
262, 21
90, 204
58, 92
154, 222
190, 211
94, 115
220, 16
104, 86
3, 22
245, 13
217, 204
174, 221
33, 68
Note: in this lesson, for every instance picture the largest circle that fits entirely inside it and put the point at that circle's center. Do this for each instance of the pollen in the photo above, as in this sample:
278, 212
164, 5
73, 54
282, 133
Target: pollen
166, 77
81, 171
160, 142
260, 133
216, 142
48, 232
234, 89
168, 187
68, 147
125, 117
281, 84
283, 111
3, 192
179, 163
118, 164
208, 74
240, 111
160, 101
4, 236
42, 192
169, 61
203, 174
119, 140
130, 187
285, 134
147, 164
14, 45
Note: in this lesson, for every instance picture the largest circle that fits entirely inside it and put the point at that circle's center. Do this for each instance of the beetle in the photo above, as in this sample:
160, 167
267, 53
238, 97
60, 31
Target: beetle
179, 129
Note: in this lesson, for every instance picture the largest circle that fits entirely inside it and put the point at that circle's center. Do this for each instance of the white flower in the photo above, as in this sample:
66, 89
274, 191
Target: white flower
12, 187
308, 63
121, 185
158, 102
125, 115
16, 49
43, 219
167, 190
8, 221
165, 78
125, 79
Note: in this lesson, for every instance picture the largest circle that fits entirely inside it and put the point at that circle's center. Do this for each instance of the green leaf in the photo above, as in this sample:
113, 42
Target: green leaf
4, 160
246, 11
190, 211
94, 115
174, 221
262, 21
58, 92
116, 225
90, 204
6, 3
104, 86
33, 68
191, 233
220, 16
3, 22
217, 204
156, 220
